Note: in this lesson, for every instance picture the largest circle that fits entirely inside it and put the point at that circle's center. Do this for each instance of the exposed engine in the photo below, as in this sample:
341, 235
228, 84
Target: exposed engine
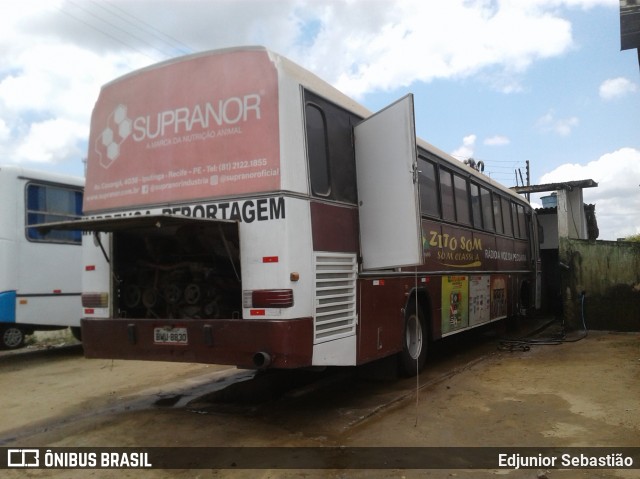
188, 271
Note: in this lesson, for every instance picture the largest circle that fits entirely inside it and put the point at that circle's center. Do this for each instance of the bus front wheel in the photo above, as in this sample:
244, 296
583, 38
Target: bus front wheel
414, 345
11, 337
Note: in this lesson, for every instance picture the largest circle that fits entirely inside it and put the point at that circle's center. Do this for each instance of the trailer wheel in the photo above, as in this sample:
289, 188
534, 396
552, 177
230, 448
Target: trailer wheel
12, 337
414, 345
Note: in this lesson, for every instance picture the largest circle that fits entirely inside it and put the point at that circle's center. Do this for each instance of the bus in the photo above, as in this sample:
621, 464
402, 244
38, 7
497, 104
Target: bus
242, 211
40, 274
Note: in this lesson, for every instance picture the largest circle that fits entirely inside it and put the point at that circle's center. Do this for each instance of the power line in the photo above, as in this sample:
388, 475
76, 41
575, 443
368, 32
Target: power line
500, 172
509, 168
512, 162
127, 30
503, 171
170, 41
105, 33
118, 28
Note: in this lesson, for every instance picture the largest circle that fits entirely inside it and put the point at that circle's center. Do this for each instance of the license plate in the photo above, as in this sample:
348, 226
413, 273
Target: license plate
170, 336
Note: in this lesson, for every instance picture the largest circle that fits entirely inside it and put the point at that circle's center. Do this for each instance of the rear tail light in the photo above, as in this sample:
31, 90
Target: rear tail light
268, 298
95, 300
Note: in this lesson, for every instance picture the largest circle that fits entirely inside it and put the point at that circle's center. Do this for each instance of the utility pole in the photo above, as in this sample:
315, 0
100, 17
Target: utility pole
528, 180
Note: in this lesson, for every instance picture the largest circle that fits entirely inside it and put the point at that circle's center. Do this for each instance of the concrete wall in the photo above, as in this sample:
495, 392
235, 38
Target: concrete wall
609, 273
572, 222
549, 224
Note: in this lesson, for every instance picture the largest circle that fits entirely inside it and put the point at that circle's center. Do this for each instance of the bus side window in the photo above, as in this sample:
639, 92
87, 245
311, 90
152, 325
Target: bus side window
317, 150
522, 222
428, 188
514, 219
332, 162
462, 199
487, 209
446, 195
47, 204
506, 216
476, 210
497, 213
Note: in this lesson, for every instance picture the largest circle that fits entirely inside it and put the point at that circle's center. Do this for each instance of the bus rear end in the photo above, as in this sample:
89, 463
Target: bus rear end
192, 250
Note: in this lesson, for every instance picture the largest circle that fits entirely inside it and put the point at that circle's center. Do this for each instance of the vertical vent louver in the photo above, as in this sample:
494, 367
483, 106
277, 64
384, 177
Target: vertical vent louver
335, 296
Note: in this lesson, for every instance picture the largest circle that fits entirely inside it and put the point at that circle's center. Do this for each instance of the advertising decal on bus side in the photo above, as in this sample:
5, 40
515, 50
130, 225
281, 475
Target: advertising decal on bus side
247, 211
447, 247
471, 300
181, 139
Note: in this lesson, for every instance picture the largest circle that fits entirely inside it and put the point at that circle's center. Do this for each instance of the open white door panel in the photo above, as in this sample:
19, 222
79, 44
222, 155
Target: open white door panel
389, 206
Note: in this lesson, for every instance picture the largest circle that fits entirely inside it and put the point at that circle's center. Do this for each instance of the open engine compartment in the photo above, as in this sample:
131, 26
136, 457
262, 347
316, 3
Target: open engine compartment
188, 269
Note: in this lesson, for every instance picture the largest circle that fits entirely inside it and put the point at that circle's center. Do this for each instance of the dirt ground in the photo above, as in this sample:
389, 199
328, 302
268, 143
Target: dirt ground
584, 393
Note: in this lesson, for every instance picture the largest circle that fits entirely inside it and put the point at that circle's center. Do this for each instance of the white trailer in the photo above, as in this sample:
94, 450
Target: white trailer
40, 273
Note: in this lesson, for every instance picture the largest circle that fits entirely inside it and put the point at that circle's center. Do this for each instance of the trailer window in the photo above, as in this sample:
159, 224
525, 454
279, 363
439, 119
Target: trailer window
317, 150
47, 204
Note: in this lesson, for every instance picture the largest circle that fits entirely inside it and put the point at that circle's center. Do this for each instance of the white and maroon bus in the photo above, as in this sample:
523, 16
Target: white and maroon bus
40, 278
245, 212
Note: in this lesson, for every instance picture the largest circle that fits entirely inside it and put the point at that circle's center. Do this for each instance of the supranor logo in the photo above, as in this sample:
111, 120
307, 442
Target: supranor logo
227, 112
204, 117
118, 129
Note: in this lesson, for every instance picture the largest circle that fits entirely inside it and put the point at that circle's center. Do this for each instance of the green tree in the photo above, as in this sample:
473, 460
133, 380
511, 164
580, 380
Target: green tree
635, 238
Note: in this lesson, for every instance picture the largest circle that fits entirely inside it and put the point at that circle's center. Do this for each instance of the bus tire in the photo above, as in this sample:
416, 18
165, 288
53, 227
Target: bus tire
414, 341
12, 337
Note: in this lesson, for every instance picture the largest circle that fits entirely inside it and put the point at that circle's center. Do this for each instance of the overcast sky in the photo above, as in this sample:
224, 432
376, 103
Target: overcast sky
503, 81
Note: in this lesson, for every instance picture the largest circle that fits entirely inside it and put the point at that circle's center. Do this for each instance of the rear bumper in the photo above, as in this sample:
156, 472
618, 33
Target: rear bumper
240, 342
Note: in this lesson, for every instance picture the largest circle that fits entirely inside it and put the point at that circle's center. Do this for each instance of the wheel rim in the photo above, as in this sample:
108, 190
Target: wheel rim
413, 336
12, 337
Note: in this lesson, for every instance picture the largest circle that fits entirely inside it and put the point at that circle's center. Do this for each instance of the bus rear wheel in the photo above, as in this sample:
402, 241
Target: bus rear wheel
11, 337
414, 345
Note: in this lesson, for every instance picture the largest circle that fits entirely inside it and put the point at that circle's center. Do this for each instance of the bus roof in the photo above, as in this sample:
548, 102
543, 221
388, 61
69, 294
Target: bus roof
304, 77
322, 88
15, 171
